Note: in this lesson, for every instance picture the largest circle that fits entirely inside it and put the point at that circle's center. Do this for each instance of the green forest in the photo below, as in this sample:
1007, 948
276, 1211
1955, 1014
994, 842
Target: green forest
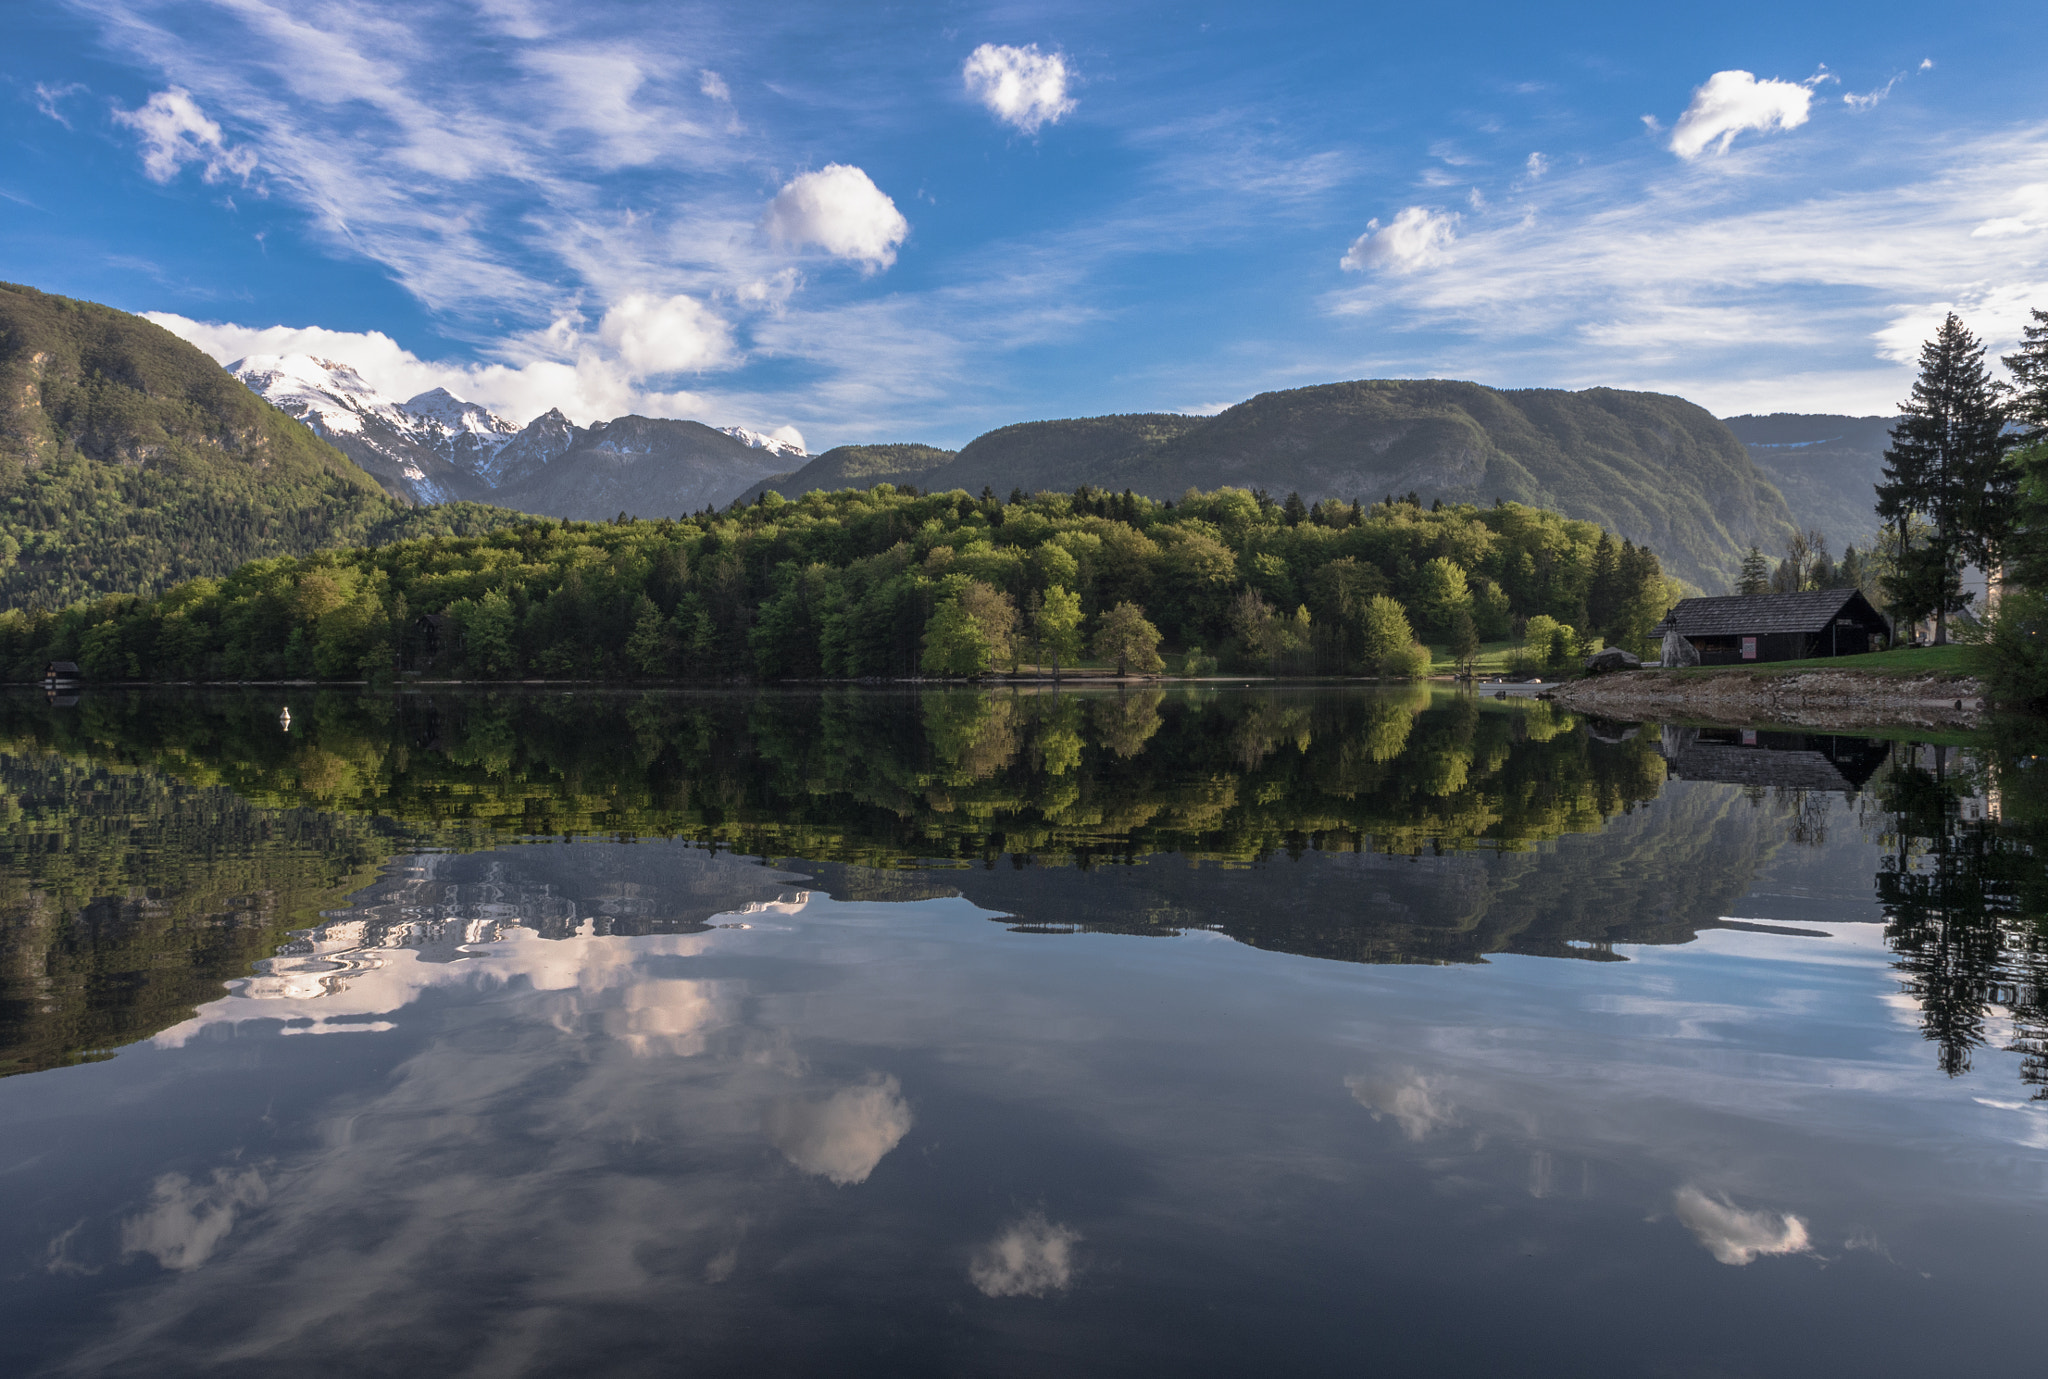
892, 583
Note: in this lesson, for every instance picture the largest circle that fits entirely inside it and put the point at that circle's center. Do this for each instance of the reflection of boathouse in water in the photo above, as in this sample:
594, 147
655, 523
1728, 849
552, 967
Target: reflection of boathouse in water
1756, 756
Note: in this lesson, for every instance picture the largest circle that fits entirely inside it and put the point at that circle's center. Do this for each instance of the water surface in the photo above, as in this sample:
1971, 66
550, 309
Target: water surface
1205, 1032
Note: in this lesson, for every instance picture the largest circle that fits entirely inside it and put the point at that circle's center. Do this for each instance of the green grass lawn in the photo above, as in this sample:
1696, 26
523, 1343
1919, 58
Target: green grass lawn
1493, 659
1903, 661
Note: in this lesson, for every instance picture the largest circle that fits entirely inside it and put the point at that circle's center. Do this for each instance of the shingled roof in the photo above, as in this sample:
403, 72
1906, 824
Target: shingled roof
1758, 614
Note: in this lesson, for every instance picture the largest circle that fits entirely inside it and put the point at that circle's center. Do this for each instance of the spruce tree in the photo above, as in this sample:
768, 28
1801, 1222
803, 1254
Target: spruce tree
1947, 462
2029, 368
1755, 577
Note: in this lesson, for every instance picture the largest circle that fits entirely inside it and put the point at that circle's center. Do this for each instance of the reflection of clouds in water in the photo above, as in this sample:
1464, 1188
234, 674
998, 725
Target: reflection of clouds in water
186, 1221
1029, 1259
342, 976
844, 1136
1415, 1102
1735, 1236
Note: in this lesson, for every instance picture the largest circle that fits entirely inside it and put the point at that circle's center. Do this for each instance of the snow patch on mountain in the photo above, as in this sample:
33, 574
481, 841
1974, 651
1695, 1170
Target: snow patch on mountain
783, 440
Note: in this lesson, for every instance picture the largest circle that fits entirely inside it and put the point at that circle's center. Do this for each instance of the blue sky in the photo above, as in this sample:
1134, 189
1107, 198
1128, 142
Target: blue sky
921, 221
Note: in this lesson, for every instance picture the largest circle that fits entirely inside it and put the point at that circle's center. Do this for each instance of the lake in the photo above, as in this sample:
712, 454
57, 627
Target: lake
869, 1031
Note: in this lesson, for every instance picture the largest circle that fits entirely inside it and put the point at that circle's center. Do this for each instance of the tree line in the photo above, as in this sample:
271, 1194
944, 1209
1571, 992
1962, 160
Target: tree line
891, 583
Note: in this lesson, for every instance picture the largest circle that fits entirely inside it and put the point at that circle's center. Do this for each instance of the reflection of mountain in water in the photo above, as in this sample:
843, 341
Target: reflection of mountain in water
1359, 825
1657, 874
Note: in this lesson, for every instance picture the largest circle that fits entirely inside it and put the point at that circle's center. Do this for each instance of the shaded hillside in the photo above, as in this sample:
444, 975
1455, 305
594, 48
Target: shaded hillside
1063, 455
643, 466
856, 466
1826, 466
129, 461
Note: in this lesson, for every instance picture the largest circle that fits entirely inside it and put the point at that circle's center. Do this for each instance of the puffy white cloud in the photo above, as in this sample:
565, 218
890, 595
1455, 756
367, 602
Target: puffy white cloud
713, 85
839, 209
1735, 1236
843, 1137
1028, 1259
1415, 1103
1415, 238
1732, 102
186, 1221
1537, 166
665, 335
1022, 87
175, 131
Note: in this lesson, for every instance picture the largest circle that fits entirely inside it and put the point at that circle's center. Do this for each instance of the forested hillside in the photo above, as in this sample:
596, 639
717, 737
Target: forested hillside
855, 466
1826, 466
1652, 469
883, 583
131, 461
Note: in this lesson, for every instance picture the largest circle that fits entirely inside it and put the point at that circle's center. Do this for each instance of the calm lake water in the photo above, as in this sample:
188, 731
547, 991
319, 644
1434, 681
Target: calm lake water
1179, 1032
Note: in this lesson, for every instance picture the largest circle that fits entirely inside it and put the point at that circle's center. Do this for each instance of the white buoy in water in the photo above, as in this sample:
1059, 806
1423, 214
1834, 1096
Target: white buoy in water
284, 718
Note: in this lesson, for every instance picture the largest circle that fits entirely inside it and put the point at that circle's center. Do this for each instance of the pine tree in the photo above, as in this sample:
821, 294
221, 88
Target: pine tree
1755, 577
2029, 368
1603, 590
1947, 462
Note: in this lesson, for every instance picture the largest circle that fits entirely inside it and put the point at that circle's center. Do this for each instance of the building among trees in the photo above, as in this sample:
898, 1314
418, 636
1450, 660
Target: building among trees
1771, 627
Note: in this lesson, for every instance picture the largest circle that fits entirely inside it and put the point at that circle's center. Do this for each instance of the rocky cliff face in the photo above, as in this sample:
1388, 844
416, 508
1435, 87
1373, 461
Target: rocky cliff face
642, 466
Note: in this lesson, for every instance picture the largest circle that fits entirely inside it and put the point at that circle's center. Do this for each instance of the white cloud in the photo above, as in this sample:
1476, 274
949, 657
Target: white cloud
175, 131
656, 336
186, 1221
587, 386
49, 99
843, 1137
713, 85
1415, 1103
1732, 102
839, 209
1027, 1259
2030, 204
1735, 1236
1537, 166
1867, 99
1796, 295
1022, 87
1416, 238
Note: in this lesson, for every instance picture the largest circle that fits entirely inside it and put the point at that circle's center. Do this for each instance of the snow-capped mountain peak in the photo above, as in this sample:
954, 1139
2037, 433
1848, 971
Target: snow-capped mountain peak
430, 449
778, 444
438, 404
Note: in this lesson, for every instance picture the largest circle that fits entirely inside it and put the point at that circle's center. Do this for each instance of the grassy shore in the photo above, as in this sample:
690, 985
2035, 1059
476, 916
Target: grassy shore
1908, 662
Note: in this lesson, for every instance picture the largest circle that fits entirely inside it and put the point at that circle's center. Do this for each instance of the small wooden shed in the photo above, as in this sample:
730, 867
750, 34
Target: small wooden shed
62, 675
1744, 628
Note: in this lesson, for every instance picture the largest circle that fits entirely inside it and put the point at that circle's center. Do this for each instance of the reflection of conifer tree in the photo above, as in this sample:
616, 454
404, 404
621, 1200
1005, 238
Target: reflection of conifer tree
1949, 890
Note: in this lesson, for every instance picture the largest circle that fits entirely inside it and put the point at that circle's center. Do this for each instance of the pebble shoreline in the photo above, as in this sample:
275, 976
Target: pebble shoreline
1813, 699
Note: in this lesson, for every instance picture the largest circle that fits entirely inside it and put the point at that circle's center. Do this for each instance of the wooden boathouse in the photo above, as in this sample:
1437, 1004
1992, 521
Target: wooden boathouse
1744, 628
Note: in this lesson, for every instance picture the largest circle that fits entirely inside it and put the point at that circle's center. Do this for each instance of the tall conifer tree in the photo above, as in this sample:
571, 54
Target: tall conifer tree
2029, 368
1947, 463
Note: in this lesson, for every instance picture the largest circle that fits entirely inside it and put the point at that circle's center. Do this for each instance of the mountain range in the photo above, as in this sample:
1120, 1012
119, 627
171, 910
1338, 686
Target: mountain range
1653, 468
104, 403
436, 448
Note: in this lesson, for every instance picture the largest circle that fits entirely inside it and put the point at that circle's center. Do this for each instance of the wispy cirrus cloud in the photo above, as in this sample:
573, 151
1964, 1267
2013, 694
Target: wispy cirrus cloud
1681, 280
175, 132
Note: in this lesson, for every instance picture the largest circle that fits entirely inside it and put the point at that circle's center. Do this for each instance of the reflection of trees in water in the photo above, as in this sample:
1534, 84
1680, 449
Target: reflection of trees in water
1962, 914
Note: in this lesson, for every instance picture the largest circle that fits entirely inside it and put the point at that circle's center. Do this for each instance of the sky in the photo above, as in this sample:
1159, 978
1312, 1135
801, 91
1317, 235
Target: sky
921, 221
